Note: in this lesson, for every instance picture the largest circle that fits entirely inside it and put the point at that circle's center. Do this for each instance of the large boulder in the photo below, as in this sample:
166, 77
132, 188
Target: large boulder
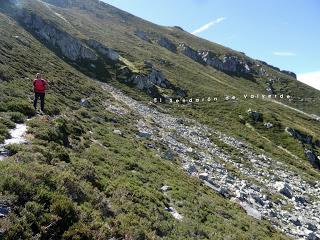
284, 188
313, 158
4, 209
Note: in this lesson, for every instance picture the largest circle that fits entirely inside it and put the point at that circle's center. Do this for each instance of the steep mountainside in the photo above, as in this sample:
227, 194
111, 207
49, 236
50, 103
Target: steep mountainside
149, 132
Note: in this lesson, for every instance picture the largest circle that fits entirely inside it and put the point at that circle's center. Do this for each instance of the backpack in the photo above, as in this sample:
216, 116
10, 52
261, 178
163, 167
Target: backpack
39, 85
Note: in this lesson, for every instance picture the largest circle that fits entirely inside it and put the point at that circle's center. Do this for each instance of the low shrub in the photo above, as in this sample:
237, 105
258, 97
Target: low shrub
21, 106
17, 117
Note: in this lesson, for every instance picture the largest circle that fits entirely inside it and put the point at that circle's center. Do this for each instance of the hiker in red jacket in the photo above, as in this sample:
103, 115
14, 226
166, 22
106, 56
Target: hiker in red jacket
39, 88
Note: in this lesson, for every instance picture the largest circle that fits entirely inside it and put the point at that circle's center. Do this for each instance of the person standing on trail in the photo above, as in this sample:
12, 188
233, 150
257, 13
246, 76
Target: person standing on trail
39, 87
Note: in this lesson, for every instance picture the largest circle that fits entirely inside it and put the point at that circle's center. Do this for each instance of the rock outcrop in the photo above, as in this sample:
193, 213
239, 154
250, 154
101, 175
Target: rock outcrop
167, 43
107, 53
228, 63
155, 77
313, 158
142, 35
292, 74
270, 89
303, 138
190, 52
152, 80
69, 46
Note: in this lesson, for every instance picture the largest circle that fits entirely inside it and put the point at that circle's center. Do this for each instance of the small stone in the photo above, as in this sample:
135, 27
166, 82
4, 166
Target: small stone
203, 176
296, 221
84, 102
165, 188
117, 131
268, 125
144, 134
190, 168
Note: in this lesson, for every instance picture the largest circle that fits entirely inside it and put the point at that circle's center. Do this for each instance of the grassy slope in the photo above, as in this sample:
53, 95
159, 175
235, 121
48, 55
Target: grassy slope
65, 184
115, 29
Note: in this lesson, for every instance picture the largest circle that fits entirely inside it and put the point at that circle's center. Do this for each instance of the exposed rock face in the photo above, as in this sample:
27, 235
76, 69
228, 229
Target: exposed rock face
145, 82
167, 43
233, 64
304, 138
191, 53
270, 89
211, 59
107, 53
292, 74
155, 78
70, 47
228, 63
142, 35
313, 158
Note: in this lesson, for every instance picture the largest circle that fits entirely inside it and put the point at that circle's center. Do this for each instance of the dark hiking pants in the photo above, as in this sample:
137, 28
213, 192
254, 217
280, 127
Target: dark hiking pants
35, 102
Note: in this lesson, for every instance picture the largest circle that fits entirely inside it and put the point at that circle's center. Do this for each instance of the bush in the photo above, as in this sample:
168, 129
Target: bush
7, 123
5, 73
17, 117
66, 211
59, 152
4, 133
21, 106
13, 148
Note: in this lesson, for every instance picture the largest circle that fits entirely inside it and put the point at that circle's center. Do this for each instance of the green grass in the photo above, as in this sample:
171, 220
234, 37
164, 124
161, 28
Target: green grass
79, 180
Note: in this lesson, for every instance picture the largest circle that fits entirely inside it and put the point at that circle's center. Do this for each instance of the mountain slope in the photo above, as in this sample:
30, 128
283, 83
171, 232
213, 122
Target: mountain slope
92, 171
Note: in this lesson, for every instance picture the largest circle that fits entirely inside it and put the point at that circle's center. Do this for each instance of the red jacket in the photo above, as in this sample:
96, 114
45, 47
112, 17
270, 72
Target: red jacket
40, 85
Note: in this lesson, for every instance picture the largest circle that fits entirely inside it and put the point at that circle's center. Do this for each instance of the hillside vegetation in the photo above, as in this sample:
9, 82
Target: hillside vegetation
95, 168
